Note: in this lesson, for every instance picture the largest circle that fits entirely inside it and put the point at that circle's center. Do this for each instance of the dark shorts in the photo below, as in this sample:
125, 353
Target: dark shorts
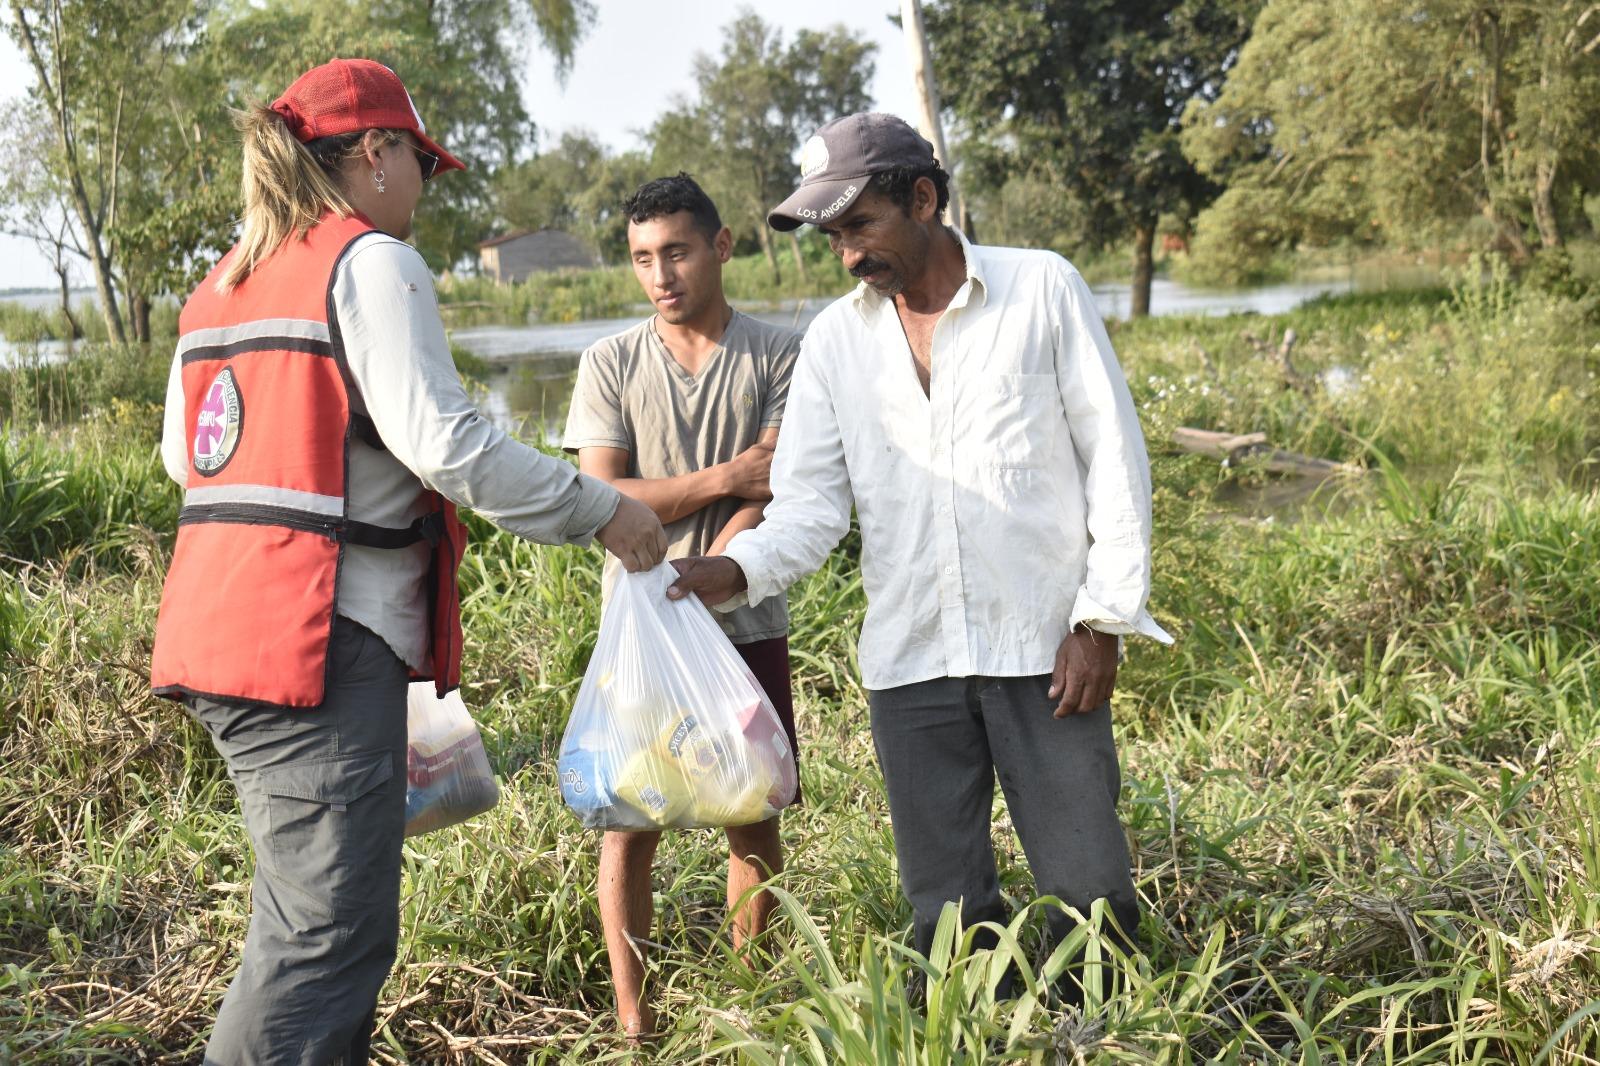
769, 661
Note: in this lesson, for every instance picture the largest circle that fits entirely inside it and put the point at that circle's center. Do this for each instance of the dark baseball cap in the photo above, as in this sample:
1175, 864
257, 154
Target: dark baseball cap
839, 158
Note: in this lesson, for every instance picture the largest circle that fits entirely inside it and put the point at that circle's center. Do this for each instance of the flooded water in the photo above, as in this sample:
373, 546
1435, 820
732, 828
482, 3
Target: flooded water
534, 367
1288, 499
48, 299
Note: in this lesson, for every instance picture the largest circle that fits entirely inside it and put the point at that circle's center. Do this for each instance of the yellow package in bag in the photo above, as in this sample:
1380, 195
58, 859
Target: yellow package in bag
736, 805
654, 789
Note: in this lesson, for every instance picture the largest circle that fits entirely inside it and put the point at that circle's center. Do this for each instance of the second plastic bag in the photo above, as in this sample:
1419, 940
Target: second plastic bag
670, 727
448, 778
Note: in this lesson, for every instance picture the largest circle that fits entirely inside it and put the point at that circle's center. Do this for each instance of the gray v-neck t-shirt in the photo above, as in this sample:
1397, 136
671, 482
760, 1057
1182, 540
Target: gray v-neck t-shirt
632, 394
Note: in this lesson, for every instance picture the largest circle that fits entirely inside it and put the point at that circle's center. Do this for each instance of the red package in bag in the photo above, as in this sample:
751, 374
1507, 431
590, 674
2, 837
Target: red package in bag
765, 734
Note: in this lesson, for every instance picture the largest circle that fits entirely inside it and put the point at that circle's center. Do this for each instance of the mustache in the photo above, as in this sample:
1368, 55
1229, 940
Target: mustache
868, 266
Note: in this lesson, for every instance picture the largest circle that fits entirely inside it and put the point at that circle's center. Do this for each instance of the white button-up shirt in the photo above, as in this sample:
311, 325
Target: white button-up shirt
1007, 505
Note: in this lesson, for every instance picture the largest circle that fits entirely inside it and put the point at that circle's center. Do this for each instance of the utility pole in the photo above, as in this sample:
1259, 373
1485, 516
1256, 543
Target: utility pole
928, 97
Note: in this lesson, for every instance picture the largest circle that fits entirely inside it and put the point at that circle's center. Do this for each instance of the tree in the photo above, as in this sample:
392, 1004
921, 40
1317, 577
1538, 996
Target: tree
29, 195
577, 187
929, 123
462, 61
758, 100
1400, 122
1557, 106
1086, 96
94, 61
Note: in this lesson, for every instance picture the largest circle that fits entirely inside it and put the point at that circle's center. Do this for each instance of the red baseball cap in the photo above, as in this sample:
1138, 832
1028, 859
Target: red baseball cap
348, 95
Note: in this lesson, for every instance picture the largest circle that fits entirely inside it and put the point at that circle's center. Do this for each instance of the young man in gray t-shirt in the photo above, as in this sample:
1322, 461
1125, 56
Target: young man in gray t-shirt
681, 412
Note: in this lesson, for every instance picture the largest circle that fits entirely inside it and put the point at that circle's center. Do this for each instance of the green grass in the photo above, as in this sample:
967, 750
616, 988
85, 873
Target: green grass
125, 384
1361, 789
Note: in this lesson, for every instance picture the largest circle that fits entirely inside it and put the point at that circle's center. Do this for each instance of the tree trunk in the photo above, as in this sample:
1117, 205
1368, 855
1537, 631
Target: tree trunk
74, 331
139, 311
102, 270
765, 238
1144, 238
1544, 207
1492, 136
921, 57
799, 259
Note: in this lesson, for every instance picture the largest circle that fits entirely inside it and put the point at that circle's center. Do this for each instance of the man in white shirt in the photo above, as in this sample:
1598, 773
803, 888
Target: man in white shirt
967, 401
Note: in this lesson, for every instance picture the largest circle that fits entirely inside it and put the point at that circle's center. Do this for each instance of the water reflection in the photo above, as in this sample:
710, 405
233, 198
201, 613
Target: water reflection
529, 399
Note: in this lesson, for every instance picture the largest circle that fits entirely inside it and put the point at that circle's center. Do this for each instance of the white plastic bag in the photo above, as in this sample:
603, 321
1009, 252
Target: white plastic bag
670, 727
448, 778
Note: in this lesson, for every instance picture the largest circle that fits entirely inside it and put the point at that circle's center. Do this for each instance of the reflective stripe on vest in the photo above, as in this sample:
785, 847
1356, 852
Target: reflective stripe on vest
264, 495
265, 334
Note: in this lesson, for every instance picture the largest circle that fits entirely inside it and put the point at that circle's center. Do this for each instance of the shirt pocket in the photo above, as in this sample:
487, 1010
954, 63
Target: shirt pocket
1017, 417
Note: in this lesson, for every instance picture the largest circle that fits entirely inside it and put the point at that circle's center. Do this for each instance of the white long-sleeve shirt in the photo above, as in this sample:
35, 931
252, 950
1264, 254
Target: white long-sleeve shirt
398, 356
999, 510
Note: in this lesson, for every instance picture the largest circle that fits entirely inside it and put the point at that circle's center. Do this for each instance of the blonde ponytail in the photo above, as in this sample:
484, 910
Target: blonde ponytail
286, 188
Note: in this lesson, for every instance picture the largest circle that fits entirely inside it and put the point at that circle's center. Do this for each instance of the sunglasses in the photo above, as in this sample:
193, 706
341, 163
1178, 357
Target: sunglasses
427, 161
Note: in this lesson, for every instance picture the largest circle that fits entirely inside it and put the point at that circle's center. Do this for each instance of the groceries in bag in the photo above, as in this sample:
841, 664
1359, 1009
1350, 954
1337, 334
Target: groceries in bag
448, 778
670, 728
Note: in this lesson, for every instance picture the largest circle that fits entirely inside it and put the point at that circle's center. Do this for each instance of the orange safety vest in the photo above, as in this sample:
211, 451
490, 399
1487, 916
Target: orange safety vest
247, 608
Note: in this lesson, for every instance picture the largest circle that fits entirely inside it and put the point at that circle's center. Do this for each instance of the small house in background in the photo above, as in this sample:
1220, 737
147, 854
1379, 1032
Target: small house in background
513, 257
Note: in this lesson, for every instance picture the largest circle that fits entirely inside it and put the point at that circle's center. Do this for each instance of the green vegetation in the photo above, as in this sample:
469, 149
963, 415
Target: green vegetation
125, 161
575, 186
757, 100
1457, 120
613, 292
1361, 788
24, 324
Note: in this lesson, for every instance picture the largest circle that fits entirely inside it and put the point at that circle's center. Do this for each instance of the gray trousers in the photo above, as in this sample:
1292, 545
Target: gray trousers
941, 744
323, 793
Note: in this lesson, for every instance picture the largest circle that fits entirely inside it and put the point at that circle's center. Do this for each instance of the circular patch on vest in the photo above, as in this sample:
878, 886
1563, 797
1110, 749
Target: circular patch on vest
217, 427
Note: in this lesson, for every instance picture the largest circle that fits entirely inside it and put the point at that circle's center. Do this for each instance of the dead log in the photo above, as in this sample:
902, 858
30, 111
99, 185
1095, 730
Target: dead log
1236, 448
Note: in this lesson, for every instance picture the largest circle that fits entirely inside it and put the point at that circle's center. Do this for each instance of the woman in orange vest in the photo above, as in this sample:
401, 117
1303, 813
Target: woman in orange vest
321, 433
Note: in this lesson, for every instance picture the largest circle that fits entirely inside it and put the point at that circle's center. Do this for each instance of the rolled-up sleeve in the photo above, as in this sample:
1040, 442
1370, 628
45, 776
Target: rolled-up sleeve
1110, 445
811, 495
394, 342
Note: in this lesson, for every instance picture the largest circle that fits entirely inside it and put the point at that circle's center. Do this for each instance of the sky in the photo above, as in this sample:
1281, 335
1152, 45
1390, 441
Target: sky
629, 69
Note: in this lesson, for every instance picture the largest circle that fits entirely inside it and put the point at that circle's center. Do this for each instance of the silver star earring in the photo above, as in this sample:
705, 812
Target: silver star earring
377, 179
